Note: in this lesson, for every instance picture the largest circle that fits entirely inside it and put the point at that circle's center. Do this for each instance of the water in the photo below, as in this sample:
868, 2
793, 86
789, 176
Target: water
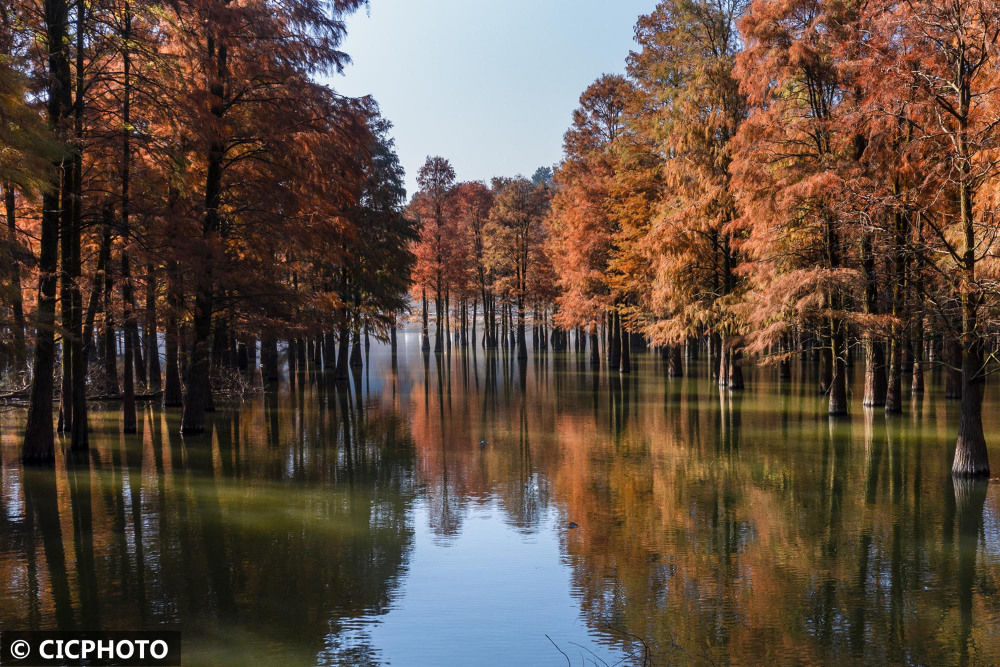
605, 521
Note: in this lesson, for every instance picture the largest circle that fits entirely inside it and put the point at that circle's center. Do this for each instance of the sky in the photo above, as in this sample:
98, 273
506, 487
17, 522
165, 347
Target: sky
488, 84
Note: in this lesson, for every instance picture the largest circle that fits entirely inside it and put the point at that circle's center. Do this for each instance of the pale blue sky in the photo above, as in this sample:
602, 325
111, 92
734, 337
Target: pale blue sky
490, 85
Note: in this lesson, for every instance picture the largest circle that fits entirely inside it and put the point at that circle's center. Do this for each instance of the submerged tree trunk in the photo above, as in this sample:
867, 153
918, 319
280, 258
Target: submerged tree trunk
269, 360
971, 458
838, 380
735, 355
730, 372
343, 351
356, 359
875, 377
785, 365
300, 354
675, 366
292, 355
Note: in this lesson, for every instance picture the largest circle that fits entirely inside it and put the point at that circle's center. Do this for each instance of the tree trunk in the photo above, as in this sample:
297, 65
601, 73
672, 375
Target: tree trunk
625, 355
438, 324
675, 367
38, 446
522, 342
172, 395
103, 262
735, 381
875, 378
300, 354
894, 390
67, 280
152, 345
595, 348
20, 355
356, 359
917, 382
447, 319
724, 359
472, 323
953, 368
393, 344
425, 343
198, 383
292, 354
329, 352
128, 384
714, 356
110, 341
269, 360
614, 341
785, 365
838, 379
79, 439
343, 351
971, 458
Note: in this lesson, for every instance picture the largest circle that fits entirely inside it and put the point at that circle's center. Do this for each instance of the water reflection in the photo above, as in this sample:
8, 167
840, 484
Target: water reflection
258, 540
467, 507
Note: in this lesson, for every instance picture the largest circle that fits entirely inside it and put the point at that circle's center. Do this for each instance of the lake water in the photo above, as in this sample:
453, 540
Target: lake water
607, 520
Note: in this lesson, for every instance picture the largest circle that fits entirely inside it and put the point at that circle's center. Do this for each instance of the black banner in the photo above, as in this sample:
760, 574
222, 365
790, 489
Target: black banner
90, 648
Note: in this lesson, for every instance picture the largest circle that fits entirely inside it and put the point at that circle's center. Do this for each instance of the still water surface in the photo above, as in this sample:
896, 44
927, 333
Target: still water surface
604, 521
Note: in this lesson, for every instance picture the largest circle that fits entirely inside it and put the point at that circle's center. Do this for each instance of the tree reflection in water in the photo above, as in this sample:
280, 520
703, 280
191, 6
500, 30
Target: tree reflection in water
712, 526
267, 537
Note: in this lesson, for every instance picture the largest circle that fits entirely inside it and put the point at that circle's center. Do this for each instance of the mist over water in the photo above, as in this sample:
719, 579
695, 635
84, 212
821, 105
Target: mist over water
471, 509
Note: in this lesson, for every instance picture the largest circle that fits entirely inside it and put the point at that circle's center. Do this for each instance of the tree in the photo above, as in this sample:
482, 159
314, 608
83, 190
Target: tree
378, 260
937, 64
583, 228
690, 110
39, 445
433, 207
791, 152
256, 72
473, 202
28, 149
515, 232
